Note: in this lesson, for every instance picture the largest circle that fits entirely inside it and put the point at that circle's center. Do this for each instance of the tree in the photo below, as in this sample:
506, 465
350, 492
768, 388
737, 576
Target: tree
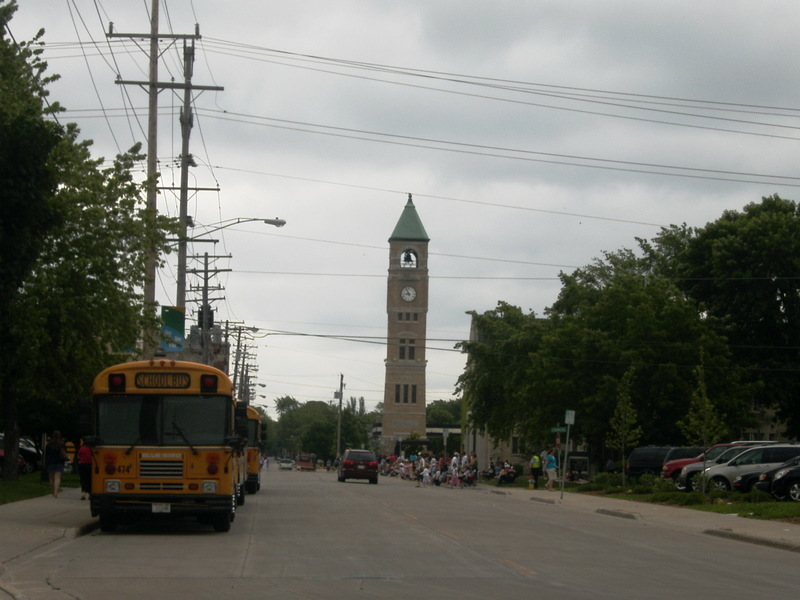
702, 424
75, 303
29, 179
441, 413
742, 269
493, 382
624, 432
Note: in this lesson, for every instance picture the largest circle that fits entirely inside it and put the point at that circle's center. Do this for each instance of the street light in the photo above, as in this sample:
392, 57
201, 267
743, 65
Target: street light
180, 299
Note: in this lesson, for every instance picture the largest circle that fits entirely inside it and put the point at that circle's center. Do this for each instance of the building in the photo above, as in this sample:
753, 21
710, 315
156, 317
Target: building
407, 312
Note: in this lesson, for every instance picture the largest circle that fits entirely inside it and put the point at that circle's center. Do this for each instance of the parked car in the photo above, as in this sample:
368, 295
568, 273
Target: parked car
782, 481
358, 464
646, 459
28, 452
672, 467
21, 464
746, 481
756, 458
685, 481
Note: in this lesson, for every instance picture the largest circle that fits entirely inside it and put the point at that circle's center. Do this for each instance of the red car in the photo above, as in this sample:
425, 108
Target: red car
358, 464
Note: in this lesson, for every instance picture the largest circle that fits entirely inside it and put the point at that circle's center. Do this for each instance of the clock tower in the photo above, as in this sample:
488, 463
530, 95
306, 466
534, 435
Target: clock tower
407, 309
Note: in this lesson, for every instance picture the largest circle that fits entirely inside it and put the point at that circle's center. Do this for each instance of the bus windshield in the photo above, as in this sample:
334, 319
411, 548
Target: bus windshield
163, 420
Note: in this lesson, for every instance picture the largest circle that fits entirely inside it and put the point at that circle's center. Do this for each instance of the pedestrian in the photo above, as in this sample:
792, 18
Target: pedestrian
55, 455
536, 470
85, 469
551, 468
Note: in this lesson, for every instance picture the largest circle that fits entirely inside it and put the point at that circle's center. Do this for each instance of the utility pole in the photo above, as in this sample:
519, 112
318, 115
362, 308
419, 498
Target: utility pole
153, 86
340, 394
205, 321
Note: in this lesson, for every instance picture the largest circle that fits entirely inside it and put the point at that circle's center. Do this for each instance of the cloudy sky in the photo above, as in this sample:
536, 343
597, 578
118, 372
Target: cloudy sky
533, 136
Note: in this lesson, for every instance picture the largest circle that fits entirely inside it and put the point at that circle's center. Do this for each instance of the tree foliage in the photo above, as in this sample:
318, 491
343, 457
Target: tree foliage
75, 237
742, 269
702, 425
624, 431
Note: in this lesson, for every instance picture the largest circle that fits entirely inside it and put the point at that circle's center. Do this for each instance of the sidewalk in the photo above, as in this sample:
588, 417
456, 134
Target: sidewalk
776, 534
31, 524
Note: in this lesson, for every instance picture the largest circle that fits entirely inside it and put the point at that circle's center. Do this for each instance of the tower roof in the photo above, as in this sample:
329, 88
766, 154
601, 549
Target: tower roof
409, 227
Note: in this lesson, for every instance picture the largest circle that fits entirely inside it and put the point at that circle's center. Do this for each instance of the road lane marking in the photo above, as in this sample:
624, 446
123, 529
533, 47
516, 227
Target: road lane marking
520, 568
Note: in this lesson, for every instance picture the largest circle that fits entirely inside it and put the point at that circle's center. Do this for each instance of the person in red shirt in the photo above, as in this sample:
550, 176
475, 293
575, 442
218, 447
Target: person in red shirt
85, 469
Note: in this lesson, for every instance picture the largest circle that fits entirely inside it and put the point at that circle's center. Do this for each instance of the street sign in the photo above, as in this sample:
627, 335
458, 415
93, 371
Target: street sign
569, 419
558, 430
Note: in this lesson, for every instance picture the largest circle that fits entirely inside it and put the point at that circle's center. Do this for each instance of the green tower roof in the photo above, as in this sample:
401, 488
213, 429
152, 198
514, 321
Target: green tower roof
409, 227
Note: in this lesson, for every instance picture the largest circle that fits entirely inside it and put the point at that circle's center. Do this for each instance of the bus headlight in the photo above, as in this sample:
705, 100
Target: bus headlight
112, 486
209, 487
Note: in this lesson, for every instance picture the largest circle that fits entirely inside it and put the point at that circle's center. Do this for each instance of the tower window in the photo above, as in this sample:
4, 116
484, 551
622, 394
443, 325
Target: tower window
406, 348
408, 259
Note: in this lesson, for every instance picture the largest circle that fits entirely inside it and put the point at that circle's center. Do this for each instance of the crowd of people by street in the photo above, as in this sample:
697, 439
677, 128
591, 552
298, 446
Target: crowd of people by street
462, 469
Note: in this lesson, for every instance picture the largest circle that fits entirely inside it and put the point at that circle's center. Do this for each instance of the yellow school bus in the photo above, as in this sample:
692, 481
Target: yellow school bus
167, 439
253, 482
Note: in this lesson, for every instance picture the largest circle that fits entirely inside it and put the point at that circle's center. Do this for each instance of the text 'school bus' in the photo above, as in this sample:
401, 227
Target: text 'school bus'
167, 439
253, 482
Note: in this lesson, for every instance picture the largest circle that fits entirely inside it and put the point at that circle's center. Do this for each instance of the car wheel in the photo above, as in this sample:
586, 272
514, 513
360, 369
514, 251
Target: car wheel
721, 484
374, 480
793, 490
341, 479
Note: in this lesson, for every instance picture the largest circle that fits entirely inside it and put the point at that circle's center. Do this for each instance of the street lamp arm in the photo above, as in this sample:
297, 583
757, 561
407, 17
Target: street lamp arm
238, 220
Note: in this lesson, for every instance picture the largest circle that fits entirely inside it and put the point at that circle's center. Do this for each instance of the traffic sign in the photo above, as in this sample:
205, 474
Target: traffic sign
558, 430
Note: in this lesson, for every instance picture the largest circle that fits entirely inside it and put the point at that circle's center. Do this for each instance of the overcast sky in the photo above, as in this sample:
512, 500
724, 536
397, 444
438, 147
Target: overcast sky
534, 136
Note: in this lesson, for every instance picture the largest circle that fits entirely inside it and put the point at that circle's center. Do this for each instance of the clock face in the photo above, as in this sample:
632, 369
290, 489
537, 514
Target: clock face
408, 293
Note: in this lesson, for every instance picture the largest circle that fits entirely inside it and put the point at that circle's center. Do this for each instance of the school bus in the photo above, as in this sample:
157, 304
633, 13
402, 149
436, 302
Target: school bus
167, 439
253, 482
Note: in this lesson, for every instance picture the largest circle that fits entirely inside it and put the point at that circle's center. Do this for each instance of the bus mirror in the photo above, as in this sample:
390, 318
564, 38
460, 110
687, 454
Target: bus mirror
240, 415
236, 442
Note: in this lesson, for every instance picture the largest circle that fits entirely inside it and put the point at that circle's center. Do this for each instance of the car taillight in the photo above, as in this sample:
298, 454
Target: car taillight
348, 463
373, 463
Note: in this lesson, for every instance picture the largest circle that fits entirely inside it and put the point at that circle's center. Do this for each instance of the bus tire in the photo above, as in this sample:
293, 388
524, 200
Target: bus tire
222, 522
108, 522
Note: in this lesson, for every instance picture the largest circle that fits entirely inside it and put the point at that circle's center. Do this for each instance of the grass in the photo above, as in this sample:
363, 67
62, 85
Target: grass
31, 486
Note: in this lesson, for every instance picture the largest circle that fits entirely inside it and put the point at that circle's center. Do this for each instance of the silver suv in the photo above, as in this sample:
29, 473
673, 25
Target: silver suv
758, 458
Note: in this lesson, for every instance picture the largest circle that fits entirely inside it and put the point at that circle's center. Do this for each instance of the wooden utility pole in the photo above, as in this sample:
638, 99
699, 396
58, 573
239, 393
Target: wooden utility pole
153, 86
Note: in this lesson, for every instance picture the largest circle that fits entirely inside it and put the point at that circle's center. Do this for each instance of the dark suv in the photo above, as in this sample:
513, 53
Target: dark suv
358, 464
646, 459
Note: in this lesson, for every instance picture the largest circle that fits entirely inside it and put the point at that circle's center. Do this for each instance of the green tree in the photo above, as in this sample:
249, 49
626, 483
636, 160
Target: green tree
702, 424
742, 269
493, 382
624, 431
441, 413
75, 304
29, 179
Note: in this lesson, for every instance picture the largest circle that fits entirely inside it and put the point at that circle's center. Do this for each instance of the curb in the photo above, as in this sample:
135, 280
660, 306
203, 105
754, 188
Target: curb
618, 513
751, 539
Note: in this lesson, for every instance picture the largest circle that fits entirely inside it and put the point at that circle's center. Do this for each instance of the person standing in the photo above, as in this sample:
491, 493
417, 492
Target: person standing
55, 455
536, 470
551, 468
85, 469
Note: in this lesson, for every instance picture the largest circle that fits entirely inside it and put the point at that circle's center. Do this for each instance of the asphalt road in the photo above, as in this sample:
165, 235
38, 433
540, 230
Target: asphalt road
304, 535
